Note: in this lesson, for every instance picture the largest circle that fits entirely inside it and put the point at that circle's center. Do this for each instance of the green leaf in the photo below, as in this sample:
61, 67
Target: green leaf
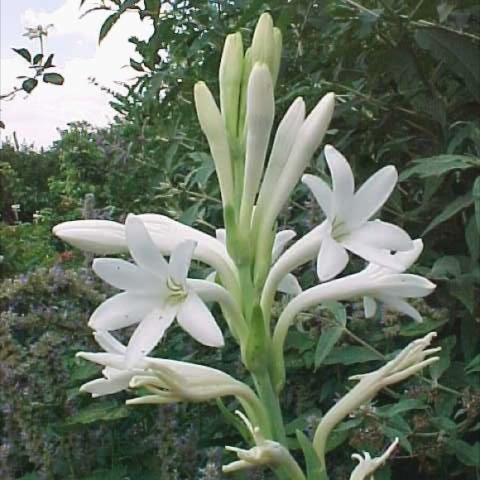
23, 52
474, 365
350, 354
438, 368
29, 84
189, 216
445, 268
314, 468
466, 453
49, 62
458, 53
476, 200
452, 209
438, 165
37, 58
107, 25
472, 238
416, 329
98, 412
331, 334
54, 78
402, 406
136, 65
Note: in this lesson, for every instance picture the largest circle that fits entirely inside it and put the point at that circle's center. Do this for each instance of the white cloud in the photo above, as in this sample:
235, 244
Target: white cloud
37, 117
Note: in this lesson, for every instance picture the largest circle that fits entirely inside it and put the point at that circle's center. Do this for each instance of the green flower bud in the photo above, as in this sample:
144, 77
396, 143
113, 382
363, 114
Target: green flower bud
230, 79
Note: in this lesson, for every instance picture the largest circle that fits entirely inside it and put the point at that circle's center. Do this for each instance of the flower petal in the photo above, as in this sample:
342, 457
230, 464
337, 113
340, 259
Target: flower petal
103, 386
322, 193
404, 285
281, 240
289, 285
409, 257
180, 261
109, 343
401, 306
148, 333
125, 275
97, 236
143, 250
378, 256
343, 184
196, 319
371, 196
332, 259
382, 235
109, 360
221, 235
121, 310
369, 306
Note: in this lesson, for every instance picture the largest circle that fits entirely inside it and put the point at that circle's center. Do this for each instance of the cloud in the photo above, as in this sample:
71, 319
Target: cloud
37, 117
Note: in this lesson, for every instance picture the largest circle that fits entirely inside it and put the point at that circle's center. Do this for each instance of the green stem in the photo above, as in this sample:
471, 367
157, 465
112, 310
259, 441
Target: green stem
269, 399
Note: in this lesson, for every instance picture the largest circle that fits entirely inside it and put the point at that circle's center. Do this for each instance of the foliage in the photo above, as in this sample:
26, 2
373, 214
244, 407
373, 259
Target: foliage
38, 63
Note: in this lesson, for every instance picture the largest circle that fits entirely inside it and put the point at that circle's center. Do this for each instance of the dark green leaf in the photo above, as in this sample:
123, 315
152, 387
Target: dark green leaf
466, 453
54, 78
456, 51
107, 25
23, 52
415, 329
438, 165
350, 354
189, 216
37, 58
314, 468
49, 62
331, 334
476, 200
452, 209
29, 84
445, 268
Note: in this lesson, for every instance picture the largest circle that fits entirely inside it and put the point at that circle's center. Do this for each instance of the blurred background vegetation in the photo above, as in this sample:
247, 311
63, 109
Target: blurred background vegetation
407, 78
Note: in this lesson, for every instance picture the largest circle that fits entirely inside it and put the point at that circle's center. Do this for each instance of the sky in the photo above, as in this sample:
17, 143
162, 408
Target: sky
36, 118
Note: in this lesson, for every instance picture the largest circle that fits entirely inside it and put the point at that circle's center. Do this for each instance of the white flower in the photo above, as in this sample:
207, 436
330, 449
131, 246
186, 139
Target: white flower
107, 237
367, 465
289, 284
391, 300
170, 381
116, 376
408, 362
348, 213
156, 292
265, 452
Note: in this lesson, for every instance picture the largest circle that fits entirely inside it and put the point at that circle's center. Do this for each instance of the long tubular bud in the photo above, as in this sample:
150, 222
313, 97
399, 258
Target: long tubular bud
212, 125
277, 54
282, 146
260, 114
263, 43
230, 80
307, 141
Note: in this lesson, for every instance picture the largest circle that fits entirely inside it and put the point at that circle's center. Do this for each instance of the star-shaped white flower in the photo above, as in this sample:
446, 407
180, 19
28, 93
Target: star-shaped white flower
391, 300
156, 292
348, 213
116, 376
289, 284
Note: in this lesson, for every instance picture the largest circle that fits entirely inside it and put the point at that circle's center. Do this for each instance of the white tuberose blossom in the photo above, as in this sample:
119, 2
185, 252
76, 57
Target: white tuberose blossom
368, 465
392, 300
289, 284
116, 376
156, 292
348, 213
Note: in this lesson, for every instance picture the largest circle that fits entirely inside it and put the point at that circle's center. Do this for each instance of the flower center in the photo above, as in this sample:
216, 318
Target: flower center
176, 290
